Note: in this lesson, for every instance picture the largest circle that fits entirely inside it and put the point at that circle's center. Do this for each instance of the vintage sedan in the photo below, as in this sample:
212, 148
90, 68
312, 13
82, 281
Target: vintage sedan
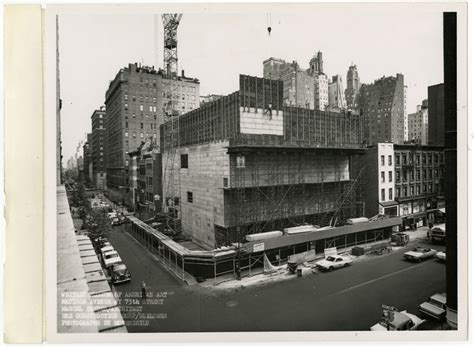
119, 273
418, 254
333, 262
435, 306
110, 258
401, 321
441, 256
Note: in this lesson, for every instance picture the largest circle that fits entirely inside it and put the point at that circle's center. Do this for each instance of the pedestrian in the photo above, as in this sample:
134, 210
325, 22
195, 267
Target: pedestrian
143, 290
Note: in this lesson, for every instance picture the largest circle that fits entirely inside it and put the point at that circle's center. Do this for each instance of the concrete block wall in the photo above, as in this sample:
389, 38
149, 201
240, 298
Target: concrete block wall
208, 166
262, 169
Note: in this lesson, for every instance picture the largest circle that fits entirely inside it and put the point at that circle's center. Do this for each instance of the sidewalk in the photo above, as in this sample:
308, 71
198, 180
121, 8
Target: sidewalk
229, 281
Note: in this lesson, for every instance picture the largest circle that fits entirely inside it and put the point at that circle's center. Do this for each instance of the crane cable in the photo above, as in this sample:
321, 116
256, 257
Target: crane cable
269, 23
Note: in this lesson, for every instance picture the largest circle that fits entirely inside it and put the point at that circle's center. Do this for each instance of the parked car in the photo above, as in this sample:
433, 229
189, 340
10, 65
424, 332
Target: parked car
119, 273
106, 248
441, 256
115, 221
333, 262
110, 258
418, 254
401, 321
435, 306
438, 234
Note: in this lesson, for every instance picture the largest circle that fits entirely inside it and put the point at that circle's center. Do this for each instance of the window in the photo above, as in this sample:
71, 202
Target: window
125, 97
383, 195
141, 134
397, 192
126, 134
424, 174
404, 192
390, 177
397, 159
141, 125
424, 159
133, 115
390, 194
126, 125
382, 160
418, 189
412, 190
397, 177
389, 160
190, 197
141, 108
226, 182
150, 108
404, 159
418, 176
382, 176
126, 106
184, 160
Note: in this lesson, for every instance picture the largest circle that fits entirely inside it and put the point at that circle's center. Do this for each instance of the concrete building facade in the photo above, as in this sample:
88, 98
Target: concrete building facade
99, 175
382, 106
436, 114
298, 84
353, 86
321, 83
249, 168
134, 104
409, 182
418, 125
336, 97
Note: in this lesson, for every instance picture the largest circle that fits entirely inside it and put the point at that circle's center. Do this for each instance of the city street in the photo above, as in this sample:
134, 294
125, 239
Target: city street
343, 300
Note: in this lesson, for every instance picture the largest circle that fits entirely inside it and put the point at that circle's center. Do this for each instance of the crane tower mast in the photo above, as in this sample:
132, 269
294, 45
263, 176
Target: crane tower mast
171, 114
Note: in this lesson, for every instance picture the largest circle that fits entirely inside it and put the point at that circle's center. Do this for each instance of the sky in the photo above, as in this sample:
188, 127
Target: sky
217, 45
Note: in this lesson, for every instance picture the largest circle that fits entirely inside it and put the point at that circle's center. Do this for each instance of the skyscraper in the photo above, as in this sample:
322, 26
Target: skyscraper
382, 105
418, 124
134, 113
98, 148
321, 85
336, 98
298, 84
353, 86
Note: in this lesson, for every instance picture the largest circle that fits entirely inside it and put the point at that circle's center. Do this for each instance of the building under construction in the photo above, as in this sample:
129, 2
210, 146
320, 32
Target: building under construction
246, 164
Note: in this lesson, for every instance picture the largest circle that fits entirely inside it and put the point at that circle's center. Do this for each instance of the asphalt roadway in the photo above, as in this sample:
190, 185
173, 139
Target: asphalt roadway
348, 299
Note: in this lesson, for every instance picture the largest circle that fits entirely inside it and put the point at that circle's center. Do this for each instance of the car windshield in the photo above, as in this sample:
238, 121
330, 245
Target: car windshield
435, 303
330, 259
119, 267
111, 255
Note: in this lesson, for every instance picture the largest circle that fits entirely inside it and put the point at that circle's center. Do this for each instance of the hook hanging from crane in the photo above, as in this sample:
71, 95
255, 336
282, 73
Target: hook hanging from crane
269, 23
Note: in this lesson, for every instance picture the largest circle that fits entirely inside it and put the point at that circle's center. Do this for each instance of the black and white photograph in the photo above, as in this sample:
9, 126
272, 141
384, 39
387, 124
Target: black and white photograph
256, 168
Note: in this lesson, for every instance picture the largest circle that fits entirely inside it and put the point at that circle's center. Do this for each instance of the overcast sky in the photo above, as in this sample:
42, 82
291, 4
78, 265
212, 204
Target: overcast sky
217, 47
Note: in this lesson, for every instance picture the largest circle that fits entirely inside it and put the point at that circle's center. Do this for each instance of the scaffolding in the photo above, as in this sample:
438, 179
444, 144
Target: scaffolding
308, 174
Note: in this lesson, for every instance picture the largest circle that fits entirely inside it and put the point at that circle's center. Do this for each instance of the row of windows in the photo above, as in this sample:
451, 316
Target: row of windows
152, 126
390, 176
382, 160
427, 174
414, 191
418, 190
134, 135
150, 108
430, 158
125, 97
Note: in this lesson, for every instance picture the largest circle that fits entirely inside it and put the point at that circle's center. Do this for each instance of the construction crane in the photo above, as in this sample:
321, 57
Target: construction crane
171, 116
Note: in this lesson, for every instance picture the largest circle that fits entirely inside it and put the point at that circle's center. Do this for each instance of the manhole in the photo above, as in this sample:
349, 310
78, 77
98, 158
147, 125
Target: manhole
231, 303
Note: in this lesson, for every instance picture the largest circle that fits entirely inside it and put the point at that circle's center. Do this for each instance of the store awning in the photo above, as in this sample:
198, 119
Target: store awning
388, 204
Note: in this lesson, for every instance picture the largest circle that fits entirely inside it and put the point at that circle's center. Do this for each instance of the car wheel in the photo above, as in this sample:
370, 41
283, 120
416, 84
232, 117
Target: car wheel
346, 264
330, 269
